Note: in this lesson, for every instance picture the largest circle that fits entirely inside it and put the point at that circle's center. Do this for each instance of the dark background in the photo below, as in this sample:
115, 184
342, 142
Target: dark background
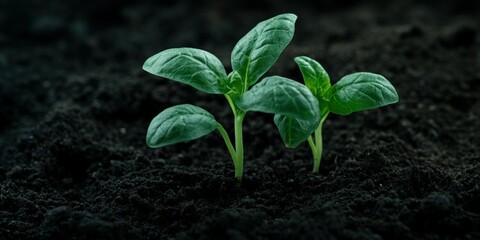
75, 105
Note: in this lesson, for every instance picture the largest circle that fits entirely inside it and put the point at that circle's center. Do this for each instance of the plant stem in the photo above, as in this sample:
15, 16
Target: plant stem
317, 153
313, 147
226, 138
237, 153
317, 147
239, 145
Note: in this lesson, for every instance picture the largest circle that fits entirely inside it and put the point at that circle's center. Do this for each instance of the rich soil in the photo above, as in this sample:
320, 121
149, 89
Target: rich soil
75, 106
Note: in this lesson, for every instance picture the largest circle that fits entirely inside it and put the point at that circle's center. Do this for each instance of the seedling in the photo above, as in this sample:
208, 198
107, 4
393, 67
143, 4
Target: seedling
352, 93
252, 56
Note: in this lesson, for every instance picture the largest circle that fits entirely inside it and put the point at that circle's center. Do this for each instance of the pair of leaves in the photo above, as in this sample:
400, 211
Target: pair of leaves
352, 93
251, 57
277, 95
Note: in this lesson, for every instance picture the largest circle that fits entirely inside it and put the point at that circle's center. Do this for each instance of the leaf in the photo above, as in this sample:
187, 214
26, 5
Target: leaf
197, 68
234, 85
360, 91
280, 95
315, 77
297, 110
179, 124
294, 131
260, 48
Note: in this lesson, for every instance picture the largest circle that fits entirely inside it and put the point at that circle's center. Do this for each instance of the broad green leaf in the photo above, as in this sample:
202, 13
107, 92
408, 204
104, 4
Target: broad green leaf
360, 91
197, 68
315, 77
296, 110
294, 131
179, 124
257, 51
280, 95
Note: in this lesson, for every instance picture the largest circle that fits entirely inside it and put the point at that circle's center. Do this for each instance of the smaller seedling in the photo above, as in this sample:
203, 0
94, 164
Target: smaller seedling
352, 93
253, 55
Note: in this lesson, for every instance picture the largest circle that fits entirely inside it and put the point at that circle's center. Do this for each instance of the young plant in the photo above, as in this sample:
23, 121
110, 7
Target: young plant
252, 56
352, 93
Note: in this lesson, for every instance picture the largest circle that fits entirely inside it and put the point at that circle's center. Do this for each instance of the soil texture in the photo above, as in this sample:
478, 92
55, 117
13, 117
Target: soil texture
75, 105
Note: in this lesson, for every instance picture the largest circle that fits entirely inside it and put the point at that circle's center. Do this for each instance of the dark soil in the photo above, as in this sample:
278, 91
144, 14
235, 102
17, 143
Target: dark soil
75, 105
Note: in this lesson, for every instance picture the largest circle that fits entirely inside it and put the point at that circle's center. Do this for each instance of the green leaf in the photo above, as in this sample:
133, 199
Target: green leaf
179, 124
280, 95
315, 77
294, 131
360, 91
197, 68
234, 85
257, 51
297, 110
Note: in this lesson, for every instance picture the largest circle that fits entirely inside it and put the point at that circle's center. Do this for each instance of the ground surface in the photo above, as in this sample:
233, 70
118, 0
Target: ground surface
75, 104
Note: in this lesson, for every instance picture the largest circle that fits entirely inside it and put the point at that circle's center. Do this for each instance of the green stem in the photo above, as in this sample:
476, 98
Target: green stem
317, 147
232, 105
226, 138
313, 147
237, 153
317, 153
239, 145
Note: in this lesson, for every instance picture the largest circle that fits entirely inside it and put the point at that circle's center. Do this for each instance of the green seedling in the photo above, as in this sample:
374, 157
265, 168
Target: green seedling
252, 56
352, 93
